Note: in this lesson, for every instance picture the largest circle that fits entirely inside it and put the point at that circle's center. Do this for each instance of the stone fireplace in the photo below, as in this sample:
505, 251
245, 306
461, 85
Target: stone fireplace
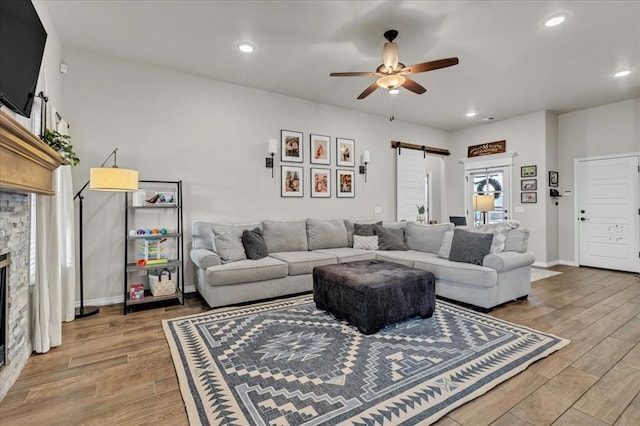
14, 244
26, 166
5, 261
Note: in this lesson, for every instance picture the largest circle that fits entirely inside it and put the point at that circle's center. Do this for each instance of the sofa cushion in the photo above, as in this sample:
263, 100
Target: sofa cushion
348, 254
227, 242
365, 243
394, 225
245, 271
426, 238
517, 240
390, 238
404, 257
303, 262
285, 236
254, 245
458, 272
323, 234
470, 247
445, 247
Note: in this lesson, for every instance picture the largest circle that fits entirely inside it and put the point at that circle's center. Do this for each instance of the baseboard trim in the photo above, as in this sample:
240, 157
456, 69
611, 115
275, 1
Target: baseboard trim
120, 299
539, 264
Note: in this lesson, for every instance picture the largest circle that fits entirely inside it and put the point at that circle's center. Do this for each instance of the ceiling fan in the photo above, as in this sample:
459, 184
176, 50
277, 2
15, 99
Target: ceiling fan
392, 73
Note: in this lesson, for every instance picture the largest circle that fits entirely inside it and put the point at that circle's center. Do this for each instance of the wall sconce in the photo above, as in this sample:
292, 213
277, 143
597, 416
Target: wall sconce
273, 149
366, 157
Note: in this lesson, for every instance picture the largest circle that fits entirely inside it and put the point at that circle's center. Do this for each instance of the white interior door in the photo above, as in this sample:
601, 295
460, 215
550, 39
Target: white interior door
411, 171
608, 213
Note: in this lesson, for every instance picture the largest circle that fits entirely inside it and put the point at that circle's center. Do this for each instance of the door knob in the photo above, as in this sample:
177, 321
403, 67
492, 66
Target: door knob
583, 219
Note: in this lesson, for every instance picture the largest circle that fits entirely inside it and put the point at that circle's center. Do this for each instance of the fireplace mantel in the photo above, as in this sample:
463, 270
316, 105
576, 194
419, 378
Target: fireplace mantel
26, 163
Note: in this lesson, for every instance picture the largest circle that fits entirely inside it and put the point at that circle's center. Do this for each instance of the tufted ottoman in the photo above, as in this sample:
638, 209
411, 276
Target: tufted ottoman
372, 294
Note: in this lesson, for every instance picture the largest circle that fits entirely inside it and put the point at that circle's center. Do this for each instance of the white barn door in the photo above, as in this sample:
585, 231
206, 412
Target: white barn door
608, 207
411, 173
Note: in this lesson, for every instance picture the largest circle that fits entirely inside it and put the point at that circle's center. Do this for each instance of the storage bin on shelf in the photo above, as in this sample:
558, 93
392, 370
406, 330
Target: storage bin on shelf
162, 284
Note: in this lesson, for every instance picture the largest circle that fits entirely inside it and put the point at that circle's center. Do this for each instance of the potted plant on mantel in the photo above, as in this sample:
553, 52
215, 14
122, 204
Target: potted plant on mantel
420, 218
61, 143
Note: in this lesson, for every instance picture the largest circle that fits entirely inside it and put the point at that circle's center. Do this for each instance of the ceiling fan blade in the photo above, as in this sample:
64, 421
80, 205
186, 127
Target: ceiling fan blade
413, 86
429, 66
354, 74
369, 90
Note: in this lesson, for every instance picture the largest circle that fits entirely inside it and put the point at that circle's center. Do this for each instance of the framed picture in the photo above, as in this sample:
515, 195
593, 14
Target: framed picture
528, 171
345, 152
529, 184
528, 197
320, 149
292, 181
291, 146
320, 183
345, 180
553, 179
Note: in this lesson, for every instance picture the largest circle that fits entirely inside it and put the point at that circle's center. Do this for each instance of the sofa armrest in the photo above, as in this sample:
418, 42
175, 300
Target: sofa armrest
204, 258
508, 260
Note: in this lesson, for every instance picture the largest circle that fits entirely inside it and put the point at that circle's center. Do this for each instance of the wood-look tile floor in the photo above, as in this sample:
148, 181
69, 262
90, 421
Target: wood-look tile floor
114, 369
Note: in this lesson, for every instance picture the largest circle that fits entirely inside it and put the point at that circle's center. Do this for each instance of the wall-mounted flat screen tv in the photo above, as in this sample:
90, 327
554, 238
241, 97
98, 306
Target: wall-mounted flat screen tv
22, 40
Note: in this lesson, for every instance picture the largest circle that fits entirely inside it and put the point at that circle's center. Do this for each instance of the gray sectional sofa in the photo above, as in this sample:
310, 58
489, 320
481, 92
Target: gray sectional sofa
224, 276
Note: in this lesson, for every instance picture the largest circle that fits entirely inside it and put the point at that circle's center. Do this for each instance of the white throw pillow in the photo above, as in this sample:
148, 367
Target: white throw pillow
365, 243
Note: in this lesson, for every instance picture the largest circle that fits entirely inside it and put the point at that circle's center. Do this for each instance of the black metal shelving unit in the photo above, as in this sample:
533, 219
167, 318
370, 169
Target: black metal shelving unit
175, 263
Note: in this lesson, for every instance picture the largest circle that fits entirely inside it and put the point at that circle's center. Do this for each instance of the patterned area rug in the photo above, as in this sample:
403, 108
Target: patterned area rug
287, 363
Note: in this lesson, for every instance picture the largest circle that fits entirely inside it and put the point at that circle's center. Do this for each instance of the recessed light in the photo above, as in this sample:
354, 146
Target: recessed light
246, 47
471, 114
622, 73
555, 20
394, 91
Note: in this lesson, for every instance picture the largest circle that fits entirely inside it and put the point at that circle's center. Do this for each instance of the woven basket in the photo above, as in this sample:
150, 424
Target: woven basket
162, 284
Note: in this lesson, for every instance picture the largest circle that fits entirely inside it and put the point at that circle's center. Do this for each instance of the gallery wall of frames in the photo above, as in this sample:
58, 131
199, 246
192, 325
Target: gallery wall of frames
322, 180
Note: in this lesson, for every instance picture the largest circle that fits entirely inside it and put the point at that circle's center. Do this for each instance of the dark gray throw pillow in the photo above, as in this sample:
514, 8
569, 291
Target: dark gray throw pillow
390, 238
470, 247
365, 230
254, 245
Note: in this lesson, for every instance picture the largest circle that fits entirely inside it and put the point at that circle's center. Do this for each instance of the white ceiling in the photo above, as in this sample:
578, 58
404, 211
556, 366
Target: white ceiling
510, 64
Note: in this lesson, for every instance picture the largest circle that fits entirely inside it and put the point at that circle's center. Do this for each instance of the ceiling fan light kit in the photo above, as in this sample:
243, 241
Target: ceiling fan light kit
392, 72
392, 81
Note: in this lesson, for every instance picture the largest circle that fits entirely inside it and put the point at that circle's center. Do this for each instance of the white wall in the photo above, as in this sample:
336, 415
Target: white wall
592, 132
213, 136
525, 135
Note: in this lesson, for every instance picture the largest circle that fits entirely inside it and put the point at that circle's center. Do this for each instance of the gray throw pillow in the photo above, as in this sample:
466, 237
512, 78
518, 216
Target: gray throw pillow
470, 247
228, 243
389, 238
365, 229
254, 245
